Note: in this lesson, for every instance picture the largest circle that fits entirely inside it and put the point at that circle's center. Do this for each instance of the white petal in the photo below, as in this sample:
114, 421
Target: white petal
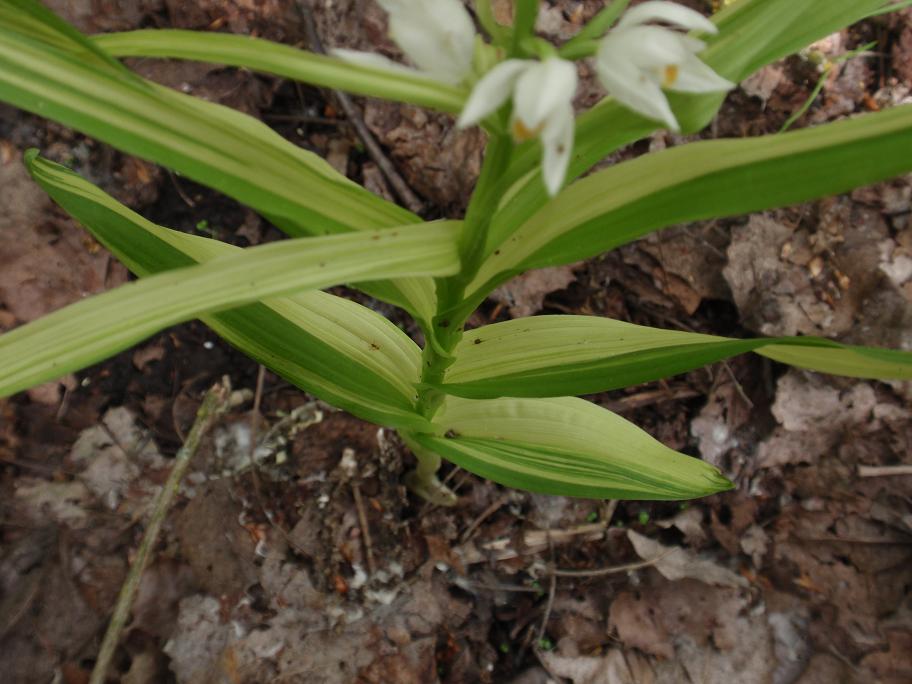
648, 47
542, 89
696, 77
494, 88
437, 35
636, 91
374, 61
668, 12
557, 144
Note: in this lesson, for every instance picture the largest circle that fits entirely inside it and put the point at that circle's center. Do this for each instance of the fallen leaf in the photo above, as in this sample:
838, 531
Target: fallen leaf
524, 295
612, 668
674, 563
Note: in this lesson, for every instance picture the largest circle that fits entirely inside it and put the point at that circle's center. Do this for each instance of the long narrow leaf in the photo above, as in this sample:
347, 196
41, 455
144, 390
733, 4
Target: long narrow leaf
94, 328
336, 349
48, 72
704, 180
283, 60
547, 356
568, 447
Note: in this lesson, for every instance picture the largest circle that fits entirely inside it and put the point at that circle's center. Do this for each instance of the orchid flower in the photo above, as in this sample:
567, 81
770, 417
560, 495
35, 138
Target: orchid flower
436, 35
542, 95
636, 60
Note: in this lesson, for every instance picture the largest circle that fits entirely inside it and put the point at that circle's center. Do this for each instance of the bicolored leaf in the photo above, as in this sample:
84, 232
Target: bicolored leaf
48, 68
336, 349
698, 181
286, 61
565, 446
94, 328
546, 356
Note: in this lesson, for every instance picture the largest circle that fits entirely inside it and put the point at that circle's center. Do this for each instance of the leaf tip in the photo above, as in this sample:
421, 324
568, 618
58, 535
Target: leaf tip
717, 482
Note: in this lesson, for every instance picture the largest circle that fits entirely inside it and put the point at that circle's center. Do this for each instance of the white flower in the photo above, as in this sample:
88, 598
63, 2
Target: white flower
636, 60
542, 107
436, 35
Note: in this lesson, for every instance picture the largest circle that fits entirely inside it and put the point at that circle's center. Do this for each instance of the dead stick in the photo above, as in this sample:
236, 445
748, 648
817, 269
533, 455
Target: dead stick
214, 402
400, 187
884, 471
365, 530
601, 572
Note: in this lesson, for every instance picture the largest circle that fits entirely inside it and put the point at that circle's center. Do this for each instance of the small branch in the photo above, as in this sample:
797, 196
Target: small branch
365, 530
487, 513
884, 471
612, 570
215, 401
552, 591
400, 187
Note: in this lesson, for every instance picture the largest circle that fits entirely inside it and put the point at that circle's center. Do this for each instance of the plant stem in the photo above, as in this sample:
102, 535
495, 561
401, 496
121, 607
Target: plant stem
446, 331
214, 402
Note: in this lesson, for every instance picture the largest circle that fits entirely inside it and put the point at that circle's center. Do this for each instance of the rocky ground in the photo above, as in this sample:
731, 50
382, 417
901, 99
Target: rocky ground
315, 565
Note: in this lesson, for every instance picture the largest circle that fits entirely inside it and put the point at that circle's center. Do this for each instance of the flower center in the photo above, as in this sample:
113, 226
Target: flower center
670, 75
522, 133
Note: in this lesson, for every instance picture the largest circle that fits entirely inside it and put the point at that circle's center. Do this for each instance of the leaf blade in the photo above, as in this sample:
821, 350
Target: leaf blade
89, 330
567, 447
703, 180
44, 68
336, 349
545, 356
283, 60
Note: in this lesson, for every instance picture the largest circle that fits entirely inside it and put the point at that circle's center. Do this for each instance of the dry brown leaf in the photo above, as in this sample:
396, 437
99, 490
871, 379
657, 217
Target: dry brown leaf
674, 563
612, 668
524, 295
46, 262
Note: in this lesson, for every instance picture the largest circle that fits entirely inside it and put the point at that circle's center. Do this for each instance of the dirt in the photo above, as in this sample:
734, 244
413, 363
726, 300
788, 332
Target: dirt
303, 558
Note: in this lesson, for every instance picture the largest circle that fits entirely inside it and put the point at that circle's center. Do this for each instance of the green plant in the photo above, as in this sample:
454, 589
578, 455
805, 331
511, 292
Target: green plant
497, 400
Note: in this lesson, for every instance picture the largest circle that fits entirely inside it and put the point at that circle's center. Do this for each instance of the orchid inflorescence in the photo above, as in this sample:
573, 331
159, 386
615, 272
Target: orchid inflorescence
635, 61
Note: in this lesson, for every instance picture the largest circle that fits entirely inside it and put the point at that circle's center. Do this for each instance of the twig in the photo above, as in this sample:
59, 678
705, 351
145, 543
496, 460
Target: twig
180, 191
485, 514
254, 436
738, 387
650, 397
400, 187
552, 590
532, 542
538, 654
613, 570
884, 471
365, 530
215, 401
608, 510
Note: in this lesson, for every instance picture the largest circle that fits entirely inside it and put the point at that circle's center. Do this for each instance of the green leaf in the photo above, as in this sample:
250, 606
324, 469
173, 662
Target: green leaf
596, 27
524, 14
286, 61
699, 181
546, 356
336, 349
47, 72
34, 19
94, 328
567, 447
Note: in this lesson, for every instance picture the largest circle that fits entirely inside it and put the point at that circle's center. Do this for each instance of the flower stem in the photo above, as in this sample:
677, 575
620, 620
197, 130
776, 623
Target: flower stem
446, 332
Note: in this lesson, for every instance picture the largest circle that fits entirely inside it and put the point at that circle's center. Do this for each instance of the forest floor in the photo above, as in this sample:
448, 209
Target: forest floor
316, 565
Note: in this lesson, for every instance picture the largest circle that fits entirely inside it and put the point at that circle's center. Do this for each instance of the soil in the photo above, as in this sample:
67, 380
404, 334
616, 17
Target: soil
315, 565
